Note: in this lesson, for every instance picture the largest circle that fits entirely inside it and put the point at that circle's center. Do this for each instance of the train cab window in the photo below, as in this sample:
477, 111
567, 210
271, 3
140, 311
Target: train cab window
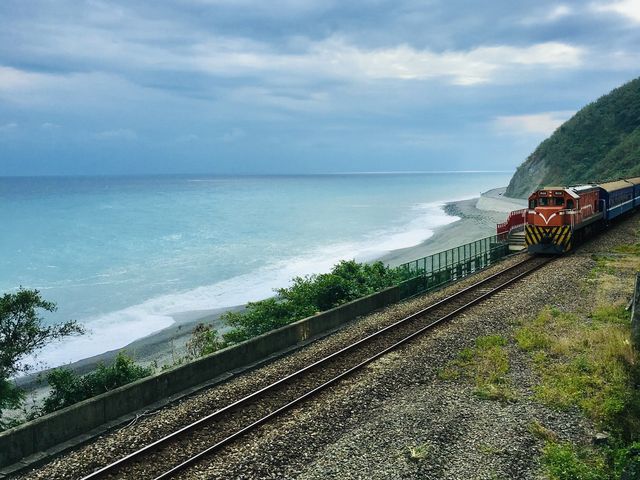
544, 202
559, 202
532, 203
570, 204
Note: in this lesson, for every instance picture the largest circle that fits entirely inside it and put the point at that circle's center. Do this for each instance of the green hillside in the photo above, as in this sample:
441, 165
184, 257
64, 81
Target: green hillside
600, 142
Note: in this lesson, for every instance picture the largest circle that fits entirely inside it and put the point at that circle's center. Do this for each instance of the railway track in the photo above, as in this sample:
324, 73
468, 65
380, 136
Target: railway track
183, 448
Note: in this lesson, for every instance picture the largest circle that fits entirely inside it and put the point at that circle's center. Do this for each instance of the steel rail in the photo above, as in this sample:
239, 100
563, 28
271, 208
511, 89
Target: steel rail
114, 466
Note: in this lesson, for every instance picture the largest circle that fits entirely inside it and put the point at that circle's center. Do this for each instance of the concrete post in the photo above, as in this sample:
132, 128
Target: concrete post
635, 314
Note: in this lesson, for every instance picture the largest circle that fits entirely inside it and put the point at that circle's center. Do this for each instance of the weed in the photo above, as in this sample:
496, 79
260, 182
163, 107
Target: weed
632, 249
581, 363
419, 452
484, 343
563, 461
541, 432
487, 365
611, 314
490, 449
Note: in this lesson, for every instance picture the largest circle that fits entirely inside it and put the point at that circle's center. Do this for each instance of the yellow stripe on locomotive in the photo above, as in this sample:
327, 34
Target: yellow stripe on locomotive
548, 239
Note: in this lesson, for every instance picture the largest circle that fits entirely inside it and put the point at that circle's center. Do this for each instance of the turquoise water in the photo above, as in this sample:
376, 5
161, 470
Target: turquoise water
122, 254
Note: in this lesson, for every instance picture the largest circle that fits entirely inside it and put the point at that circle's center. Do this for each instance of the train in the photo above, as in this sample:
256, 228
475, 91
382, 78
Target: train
560, 217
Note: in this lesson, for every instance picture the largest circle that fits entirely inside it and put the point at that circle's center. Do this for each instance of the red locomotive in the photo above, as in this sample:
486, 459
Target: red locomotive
558, 217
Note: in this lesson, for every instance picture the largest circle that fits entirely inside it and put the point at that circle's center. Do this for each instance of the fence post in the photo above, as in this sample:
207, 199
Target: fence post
635, 314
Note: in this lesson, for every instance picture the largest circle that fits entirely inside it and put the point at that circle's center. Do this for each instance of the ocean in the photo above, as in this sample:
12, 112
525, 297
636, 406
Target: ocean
124, 254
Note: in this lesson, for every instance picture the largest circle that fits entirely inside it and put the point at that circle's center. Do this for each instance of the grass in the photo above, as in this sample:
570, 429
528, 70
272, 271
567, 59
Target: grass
487, 365
419, 452
584, 362
585, 359
541, 432
564, 461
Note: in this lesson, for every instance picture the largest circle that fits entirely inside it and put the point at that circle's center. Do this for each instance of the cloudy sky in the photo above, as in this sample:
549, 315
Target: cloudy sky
299, 86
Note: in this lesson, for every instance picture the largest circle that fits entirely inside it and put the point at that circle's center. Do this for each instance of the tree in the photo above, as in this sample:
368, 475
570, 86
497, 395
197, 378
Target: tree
22, 332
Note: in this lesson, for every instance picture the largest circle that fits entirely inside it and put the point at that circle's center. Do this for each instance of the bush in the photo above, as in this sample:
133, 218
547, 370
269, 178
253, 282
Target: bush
69, 388
23, 332
347, 281
204, 340
566, 462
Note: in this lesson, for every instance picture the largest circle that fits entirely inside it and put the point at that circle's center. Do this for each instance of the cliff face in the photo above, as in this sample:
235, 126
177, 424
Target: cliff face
600, 142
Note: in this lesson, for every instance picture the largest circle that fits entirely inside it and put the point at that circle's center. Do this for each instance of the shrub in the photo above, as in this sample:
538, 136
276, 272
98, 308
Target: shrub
563, 461
204, 340
68, 388
347, 281
23, 332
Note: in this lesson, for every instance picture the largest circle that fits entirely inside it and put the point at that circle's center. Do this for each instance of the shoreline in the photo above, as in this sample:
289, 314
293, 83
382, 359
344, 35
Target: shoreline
477, 218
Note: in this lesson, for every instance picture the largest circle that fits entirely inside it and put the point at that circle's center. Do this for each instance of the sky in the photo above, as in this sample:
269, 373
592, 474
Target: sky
309, 86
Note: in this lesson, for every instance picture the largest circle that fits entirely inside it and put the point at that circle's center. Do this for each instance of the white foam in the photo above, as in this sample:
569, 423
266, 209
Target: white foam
117, 329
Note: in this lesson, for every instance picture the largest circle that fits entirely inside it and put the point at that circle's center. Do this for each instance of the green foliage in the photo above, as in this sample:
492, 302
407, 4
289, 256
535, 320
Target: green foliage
601, 142
23, 332
204, 340
611, 314
68, 388
347, 281
563, 461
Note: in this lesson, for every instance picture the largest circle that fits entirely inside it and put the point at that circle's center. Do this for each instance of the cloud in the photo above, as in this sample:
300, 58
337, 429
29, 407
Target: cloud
477, 65
146, 51
7, 127
549, 16
14, 79
336, 58
627, 8
544, 123
49, 126
122, 133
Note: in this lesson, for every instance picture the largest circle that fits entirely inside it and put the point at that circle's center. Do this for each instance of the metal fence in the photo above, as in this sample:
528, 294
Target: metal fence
439, 269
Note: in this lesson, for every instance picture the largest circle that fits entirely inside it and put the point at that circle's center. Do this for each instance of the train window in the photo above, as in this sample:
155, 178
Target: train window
532, 203
570, 204
559, 202
544, 202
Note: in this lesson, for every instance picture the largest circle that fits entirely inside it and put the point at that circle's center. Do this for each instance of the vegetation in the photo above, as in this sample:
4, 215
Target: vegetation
204, 340
22, 332
601, 142
68, 388
348, 280
487, 365
419, 453
564, 461
585, 359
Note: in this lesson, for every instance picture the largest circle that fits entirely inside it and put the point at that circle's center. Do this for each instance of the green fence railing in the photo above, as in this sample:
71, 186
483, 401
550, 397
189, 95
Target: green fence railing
434, 271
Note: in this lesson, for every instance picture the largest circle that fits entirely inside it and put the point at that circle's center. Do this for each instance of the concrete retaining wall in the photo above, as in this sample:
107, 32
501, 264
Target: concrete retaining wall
61, 426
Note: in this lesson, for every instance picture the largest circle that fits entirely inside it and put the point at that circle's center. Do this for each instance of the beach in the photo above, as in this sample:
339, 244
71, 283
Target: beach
477, 219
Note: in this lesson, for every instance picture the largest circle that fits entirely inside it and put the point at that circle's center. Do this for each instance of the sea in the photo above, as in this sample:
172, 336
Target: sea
123, 255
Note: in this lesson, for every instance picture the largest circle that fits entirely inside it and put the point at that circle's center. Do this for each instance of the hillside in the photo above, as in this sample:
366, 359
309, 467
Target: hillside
600, 142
